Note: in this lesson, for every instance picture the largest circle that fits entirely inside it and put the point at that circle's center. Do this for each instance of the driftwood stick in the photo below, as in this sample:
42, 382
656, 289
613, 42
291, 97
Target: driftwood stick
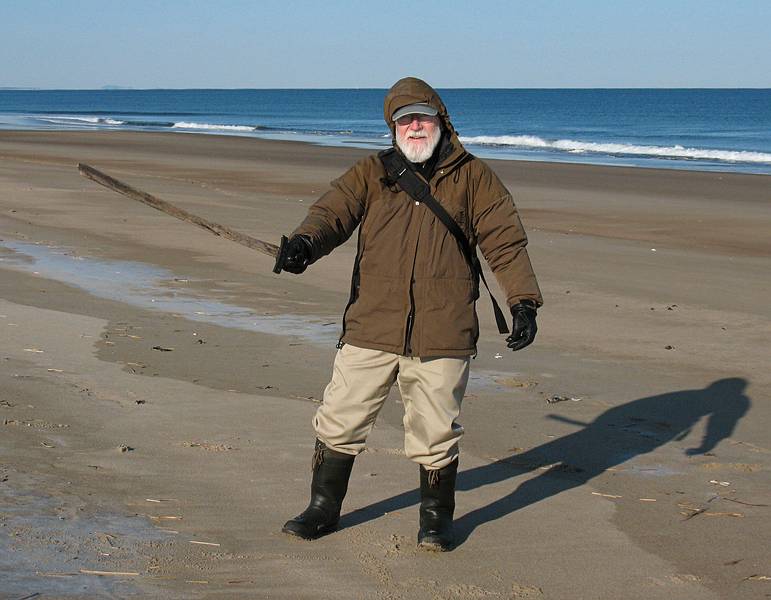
105, 573
168, 208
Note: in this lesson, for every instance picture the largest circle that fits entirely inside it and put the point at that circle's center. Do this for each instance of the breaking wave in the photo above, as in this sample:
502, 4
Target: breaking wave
209, 126
82, 120
577, 147
512, 143
93, 121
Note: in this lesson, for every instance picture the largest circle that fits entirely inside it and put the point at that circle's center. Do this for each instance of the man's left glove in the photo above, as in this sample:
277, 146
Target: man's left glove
523, 327
299, 254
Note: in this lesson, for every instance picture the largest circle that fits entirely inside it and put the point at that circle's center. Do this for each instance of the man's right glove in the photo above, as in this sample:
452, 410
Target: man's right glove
299, 254
523, 327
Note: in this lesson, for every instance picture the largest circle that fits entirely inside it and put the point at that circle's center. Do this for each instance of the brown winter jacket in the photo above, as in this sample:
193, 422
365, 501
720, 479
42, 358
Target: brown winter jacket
413, 292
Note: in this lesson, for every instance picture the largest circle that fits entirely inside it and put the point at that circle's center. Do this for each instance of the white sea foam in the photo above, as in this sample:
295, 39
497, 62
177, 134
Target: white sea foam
60, 120
577, 147
187, 125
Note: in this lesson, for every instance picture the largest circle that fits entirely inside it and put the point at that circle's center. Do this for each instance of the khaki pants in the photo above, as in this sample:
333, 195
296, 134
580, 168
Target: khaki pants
431, 390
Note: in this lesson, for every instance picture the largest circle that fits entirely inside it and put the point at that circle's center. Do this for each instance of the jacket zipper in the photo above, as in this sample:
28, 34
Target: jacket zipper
443, 172
410, 321
411, 315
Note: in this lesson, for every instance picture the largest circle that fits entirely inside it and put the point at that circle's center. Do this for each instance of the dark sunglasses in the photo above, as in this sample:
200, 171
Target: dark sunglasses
407, 119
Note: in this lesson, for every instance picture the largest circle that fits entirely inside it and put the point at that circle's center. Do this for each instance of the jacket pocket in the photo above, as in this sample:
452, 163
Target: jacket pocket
447, 315
380, 311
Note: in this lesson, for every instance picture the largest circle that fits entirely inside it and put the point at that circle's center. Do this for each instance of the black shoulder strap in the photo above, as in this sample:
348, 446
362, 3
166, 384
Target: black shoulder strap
398, 172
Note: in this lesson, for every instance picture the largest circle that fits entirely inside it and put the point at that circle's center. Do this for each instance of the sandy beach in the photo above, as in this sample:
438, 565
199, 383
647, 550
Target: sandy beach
157, 385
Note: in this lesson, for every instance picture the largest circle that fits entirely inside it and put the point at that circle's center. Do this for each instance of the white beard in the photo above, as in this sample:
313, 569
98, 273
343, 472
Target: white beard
419, 152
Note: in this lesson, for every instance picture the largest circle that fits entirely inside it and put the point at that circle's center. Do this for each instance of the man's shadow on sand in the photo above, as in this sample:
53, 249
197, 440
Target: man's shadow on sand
616, 436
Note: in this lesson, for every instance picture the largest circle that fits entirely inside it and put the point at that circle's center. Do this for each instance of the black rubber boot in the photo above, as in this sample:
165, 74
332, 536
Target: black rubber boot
331, 471
437, 505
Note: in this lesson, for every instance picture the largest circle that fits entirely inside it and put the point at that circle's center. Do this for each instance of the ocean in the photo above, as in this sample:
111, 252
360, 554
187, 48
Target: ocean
699, 129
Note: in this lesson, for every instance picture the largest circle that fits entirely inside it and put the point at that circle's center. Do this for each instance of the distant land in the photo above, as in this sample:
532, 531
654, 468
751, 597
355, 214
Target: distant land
18, 88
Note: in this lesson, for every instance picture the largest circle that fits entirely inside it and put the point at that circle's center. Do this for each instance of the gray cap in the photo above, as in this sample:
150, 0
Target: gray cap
415, 109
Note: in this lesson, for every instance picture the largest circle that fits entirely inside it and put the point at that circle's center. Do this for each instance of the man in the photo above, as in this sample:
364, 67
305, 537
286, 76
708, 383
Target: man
411, 316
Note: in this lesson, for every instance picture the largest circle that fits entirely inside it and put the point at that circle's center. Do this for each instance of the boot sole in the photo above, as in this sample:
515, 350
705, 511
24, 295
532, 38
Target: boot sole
297, 534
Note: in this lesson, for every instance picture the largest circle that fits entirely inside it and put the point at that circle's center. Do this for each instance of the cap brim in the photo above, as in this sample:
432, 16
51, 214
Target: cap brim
415, 109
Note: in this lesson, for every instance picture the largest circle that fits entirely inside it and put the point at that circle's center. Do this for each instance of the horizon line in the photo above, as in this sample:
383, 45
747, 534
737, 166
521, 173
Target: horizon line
145, 89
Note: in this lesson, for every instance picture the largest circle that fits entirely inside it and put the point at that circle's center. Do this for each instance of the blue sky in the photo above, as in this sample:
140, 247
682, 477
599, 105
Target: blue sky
265, 44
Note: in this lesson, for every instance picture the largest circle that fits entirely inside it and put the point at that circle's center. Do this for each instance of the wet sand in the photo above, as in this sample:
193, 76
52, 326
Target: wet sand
157, 385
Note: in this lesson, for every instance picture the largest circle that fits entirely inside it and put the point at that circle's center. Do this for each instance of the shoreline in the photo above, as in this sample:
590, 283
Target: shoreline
550, 196
364, 150
481, 152
219, 425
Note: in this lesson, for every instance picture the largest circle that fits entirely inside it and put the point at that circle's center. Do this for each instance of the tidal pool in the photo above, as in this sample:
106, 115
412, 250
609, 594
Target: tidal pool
150, 287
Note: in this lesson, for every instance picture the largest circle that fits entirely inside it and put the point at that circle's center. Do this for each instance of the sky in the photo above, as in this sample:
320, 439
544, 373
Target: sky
88, 44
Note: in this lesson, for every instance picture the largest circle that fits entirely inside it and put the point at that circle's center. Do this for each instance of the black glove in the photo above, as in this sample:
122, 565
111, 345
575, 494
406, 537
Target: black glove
523, 325
299, 254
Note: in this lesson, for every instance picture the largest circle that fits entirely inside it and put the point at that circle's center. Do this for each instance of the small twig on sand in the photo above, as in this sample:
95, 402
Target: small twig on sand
606, 495
744, 503
118, 573
204, 543
723, 514
106, 537
693, 513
